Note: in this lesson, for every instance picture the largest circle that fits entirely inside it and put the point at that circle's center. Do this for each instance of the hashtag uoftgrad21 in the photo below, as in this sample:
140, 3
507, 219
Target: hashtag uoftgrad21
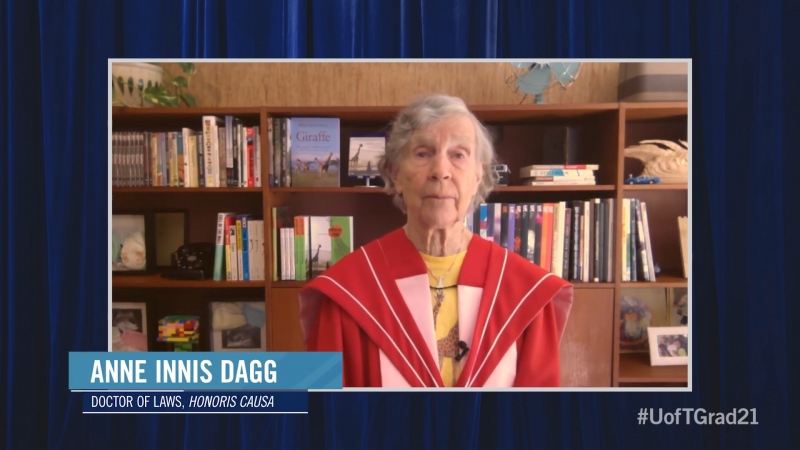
697, 416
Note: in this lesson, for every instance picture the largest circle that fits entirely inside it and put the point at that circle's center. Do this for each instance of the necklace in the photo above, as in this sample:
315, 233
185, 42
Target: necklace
440, 287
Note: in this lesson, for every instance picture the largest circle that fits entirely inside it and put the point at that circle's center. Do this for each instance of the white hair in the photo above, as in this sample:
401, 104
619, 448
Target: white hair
422, 113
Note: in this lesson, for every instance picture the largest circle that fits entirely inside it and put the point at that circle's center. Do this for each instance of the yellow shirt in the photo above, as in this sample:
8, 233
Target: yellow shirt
445, 312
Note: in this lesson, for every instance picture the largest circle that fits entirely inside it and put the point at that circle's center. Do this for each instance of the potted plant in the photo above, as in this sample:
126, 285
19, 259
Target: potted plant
146, 84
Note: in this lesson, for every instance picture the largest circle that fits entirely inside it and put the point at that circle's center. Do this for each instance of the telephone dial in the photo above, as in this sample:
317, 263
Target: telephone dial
192, 262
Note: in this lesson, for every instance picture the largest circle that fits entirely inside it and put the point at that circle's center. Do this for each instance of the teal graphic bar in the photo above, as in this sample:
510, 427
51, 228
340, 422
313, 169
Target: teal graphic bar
207, 371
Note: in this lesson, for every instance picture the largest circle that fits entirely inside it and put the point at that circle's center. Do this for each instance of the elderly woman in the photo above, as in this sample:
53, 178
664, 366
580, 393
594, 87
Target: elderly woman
431, 304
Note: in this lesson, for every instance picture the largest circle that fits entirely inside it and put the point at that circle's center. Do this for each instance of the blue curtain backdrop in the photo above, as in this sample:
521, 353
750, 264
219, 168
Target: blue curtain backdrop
54, 206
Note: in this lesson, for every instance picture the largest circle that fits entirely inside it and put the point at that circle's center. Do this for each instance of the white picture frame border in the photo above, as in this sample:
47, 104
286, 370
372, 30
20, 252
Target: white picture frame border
652, 337
142, 306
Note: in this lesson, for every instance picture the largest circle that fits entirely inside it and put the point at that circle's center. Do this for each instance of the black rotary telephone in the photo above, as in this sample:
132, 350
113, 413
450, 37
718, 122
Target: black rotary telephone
192, 262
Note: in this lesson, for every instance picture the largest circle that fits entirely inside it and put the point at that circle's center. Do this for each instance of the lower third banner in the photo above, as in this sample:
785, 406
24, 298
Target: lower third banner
196, 402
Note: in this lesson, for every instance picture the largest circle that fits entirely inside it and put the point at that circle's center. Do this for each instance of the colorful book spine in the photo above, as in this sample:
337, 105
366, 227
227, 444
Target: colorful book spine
234, 252
245, 249
219, 254
341, 237
301, 248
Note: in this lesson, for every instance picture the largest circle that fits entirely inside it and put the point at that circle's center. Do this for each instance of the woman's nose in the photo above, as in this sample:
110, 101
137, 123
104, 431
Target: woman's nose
441, 166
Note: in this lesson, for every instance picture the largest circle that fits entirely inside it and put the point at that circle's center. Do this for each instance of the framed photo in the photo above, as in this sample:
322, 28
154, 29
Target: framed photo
131, 246
641, 308
678, 307
363, 156
171, 230
129, 327
238, 327
669, 346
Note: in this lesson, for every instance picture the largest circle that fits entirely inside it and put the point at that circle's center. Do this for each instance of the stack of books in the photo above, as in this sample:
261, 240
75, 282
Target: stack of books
239, 252
637, 250
306, 246
558, 174
572, 240
223, 153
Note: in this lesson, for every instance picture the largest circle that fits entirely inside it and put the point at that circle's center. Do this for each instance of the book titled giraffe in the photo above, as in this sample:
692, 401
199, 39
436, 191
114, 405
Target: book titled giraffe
314, 149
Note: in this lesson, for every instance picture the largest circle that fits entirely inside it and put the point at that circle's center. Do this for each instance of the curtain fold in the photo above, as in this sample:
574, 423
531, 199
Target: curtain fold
55, 206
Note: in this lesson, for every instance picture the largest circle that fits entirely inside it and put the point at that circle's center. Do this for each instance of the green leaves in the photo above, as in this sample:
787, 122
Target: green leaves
158, 96
189, 100
171, 93
181, 81
188, 68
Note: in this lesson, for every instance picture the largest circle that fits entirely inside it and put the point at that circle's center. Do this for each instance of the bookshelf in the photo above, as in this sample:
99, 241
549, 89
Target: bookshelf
590, 355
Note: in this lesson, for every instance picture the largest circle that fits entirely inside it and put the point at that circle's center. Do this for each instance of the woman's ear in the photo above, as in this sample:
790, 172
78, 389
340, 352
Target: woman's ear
393, 172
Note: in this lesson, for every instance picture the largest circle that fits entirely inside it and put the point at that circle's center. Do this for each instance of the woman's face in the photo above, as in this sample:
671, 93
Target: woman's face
439, 174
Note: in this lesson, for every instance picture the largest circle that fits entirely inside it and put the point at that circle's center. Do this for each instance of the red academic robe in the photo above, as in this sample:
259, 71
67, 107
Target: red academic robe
375, 307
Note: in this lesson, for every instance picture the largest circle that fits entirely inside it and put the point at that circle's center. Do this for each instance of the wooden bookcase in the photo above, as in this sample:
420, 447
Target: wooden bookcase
589, 350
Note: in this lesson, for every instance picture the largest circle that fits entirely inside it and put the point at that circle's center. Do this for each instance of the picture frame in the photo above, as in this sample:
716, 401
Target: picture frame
363, 154
669, 346
132, 245
678, 299
171, 233
238, 326
128, 327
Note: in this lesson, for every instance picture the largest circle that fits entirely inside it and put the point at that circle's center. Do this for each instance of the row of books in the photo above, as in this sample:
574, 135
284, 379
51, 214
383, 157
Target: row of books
573, 240
304, 152
558, 174
239, 252
225, 153
637, 250
306, 246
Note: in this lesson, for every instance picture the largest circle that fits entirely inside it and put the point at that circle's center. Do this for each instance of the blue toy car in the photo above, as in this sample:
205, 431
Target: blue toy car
642, 179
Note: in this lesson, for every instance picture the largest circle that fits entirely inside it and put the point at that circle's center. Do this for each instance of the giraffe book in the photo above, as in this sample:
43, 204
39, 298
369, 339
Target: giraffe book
314, 144
330, 239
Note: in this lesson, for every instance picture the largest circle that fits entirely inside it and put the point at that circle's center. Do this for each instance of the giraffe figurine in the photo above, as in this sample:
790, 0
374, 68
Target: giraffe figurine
354, 159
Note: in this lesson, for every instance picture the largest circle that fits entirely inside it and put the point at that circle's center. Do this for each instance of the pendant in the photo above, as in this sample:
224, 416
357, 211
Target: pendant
440, 291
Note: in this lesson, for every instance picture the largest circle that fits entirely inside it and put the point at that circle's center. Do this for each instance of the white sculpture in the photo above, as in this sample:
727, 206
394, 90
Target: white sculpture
666, 160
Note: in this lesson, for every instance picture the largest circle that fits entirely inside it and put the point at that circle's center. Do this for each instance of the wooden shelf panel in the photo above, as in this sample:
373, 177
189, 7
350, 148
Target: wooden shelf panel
655, 187
666, 279
288, 284
155, 281
558, 188
179, 190
328, 190
485, 113
654, 110
124, 111
582, 285
378, 190
635, 368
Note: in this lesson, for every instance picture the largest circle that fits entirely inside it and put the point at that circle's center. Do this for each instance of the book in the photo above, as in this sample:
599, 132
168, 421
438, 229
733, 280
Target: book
312, 146
280, 220
211, 126
302, 232
560, 145
219, 253
330, 240
560, 167
683, 229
